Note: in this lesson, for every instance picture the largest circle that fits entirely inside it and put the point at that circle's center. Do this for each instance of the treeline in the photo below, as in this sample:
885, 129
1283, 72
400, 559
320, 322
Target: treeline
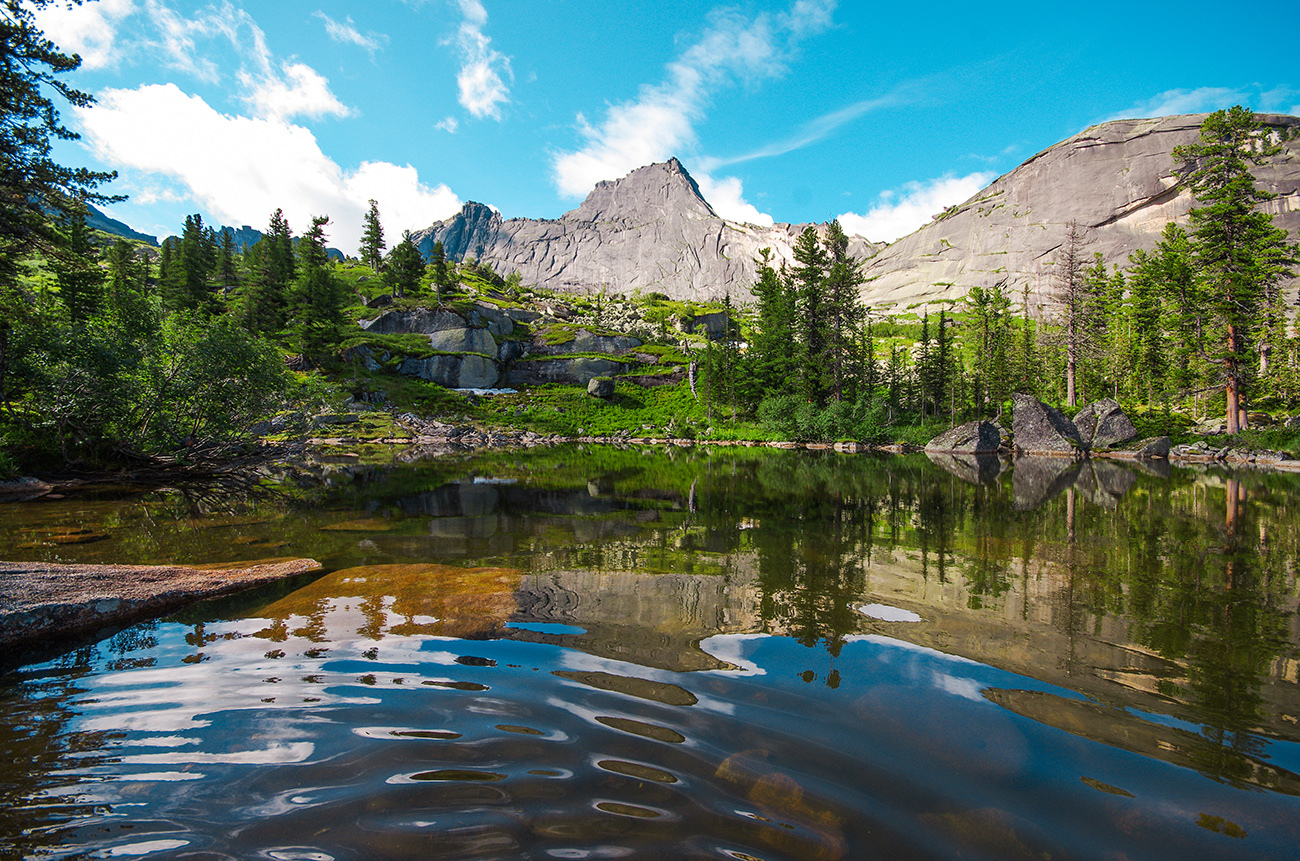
1198, 326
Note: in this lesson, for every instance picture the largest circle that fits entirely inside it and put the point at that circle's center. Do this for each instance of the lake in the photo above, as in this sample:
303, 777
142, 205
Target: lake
595, 652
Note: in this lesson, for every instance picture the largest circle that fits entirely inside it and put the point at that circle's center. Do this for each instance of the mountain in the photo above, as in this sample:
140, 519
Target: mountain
97, 220
1115, 179
652, 231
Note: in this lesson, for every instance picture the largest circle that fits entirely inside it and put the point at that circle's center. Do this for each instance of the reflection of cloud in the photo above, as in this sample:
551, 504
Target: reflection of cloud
728, 647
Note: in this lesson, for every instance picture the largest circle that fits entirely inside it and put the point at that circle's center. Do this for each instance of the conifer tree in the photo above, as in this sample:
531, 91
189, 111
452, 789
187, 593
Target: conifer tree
809, 278
372, 239
844, 307
76, 268
771, 355
319, 295
442, 282
1240, 256
405, 268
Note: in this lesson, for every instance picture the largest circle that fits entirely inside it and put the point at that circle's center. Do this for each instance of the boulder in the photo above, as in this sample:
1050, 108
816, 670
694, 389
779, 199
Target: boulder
577, 371
420, 321
1043, 430
601, 387
972, 437
464, 341
454, 372
1103, 424
712, 326
496, 321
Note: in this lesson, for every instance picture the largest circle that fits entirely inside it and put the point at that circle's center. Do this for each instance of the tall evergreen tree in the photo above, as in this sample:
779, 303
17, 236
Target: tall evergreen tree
1076, 302
319, 295
771, 355
405, 268
442, 280
76, 268
809, 277
1239, 254
844, 308
372, 239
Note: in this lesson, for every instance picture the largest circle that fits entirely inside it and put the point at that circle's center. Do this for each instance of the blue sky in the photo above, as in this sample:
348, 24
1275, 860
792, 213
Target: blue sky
785, 110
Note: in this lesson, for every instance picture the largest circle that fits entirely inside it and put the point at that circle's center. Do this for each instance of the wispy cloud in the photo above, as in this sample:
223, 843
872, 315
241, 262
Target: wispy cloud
449, 125
897, 214
818, 129
347, 33
660, 121
483, 70
1197, 101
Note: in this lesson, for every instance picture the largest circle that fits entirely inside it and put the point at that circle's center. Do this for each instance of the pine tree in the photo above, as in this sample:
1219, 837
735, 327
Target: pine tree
812, 324
1076, 304
442, 281
76, 268
844, 308
226, 271
372, 239
771, 355
405, 268
1240, 256
319, 295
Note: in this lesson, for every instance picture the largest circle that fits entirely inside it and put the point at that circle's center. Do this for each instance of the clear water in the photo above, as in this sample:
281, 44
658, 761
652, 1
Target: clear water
597, 653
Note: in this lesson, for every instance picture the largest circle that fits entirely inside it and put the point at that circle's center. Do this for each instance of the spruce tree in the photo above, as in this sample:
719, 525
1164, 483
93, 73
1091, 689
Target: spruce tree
441, 271
76, 268
405, 268
844, 308
372, 239
771, 355
1240, 256
809, 278
319, 294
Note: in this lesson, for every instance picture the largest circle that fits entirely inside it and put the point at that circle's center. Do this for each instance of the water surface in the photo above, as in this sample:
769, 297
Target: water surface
599, 653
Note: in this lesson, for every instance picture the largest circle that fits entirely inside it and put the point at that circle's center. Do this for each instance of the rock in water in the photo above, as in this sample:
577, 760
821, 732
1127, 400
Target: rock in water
1103, 424
652, 230
1043, 430
970, 438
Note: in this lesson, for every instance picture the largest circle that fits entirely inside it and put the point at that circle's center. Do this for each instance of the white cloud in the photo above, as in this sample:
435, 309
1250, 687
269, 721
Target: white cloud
89, 30
660, 121
348, 34
727, 199
482, 87
297, 89
1172, 102
894, 216
243, 168
449, 125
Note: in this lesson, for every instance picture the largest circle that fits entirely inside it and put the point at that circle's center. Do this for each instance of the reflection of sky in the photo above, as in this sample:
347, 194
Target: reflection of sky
882, 716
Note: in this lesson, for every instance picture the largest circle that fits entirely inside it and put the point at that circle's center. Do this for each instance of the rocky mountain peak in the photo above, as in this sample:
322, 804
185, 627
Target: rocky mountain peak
643, 193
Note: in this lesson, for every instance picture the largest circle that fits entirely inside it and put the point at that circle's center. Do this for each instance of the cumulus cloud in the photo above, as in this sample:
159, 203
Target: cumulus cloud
1172, 102
726, 196
484, 70
294, 89
660, 121
242, 168
896, 215
89, 30
348, 34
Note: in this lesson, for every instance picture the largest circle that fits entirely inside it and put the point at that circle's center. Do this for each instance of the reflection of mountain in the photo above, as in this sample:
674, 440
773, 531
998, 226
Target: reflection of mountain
655, 620
1119, 728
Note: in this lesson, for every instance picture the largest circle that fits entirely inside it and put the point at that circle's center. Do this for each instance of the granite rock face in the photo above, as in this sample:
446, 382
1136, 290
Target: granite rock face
1115, 179
1039, 429
652, 231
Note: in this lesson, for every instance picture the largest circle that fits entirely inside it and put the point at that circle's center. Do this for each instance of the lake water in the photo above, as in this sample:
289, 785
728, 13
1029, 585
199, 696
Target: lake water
730, 653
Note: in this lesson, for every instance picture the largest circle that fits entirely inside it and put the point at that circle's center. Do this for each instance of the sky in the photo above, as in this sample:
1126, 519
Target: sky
782, 110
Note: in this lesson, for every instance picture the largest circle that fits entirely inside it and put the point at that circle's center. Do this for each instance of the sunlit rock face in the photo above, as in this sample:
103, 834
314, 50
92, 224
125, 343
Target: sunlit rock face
1116, 180
652, 231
